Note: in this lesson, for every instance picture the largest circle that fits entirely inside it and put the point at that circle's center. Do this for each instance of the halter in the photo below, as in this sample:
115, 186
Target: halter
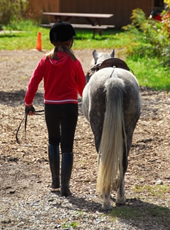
94, 69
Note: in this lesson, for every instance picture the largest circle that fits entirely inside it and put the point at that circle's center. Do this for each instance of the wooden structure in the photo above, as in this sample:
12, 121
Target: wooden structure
121, 9
94, 21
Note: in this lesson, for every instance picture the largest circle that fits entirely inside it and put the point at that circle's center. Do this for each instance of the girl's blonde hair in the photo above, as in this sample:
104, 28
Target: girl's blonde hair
62, 47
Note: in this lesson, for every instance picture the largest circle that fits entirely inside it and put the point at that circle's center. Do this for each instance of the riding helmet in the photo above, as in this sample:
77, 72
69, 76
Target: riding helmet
61, 31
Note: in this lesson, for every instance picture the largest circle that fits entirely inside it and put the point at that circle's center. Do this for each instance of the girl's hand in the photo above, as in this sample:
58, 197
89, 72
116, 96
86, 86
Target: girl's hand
29, 110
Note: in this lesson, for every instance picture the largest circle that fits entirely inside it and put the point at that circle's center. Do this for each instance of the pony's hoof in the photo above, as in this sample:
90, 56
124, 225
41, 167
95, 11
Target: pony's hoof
120, 201
106, 207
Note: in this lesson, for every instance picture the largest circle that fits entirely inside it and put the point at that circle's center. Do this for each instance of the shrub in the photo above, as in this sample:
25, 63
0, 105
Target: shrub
154, 37
12, 10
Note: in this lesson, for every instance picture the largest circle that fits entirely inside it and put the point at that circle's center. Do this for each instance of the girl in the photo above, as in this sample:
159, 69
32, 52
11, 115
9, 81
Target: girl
63, 77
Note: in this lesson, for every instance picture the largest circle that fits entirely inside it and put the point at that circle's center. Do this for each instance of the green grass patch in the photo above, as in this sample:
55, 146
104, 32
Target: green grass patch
25, 40
150, 73
110, 39
158, 191
69, 225
125, 213
23, 35
144, 213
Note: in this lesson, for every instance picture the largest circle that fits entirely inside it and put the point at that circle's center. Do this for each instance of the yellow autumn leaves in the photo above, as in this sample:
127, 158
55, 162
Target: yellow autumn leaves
167, 2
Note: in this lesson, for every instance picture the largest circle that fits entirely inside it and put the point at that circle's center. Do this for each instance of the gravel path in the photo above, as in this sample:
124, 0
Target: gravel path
27, 202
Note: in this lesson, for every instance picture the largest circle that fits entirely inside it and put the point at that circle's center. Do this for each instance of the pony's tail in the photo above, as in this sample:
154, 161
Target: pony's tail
110, 171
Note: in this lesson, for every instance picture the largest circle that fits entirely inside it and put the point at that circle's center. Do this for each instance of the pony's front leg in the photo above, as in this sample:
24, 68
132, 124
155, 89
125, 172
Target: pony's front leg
106, 201
120, 199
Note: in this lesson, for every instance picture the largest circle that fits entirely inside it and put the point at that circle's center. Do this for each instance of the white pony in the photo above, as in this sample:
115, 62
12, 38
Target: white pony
111, 103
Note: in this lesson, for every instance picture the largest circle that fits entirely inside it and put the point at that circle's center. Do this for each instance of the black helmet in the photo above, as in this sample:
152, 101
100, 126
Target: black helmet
61, 32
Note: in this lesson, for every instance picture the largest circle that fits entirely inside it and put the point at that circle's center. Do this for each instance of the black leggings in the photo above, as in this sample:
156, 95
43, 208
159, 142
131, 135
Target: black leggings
62, 117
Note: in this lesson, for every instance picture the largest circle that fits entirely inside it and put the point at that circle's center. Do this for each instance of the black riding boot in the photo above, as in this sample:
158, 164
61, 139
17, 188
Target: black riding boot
54, 159
66, 168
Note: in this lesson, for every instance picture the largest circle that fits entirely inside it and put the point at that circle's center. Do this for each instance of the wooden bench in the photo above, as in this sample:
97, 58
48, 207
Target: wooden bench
84, 26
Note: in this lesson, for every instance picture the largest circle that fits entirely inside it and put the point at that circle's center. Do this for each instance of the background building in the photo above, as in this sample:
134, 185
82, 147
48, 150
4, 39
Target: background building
122, 9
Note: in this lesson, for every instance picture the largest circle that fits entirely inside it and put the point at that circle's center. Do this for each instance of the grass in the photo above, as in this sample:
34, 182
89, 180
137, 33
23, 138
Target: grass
144, 213
149, 72
110, 39
26, 39
158, 191
68, 226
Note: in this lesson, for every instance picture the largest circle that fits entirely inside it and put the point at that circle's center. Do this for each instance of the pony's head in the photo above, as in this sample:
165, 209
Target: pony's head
100, 57
103, 60
96, 62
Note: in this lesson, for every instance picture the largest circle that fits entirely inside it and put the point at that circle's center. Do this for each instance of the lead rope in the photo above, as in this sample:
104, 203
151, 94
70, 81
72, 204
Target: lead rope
38, 112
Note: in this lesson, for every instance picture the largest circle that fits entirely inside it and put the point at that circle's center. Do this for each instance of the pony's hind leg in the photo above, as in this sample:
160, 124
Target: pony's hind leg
120, 199
106, 201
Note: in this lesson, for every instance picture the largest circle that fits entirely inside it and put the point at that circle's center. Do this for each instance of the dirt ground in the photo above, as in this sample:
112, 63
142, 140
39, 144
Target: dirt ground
24, 168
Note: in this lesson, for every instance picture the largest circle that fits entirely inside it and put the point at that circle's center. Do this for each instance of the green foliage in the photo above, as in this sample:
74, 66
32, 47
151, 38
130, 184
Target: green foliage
153, 36
21, 25
12, 10
138, 17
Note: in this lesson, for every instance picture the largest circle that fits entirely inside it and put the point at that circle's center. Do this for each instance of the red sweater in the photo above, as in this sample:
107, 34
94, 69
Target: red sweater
63, 78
